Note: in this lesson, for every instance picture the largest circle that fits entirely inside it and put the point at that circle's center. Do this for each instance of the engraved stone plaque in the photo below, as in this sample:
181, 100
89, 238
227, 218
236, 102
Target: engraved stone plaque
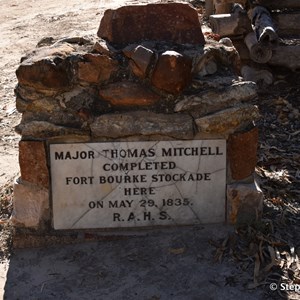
137, 184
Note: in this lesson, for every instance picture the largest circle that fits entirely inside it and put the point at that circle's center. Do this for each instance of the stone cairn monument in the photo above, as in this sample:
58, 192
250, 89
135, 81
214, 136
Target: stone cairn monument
145, 124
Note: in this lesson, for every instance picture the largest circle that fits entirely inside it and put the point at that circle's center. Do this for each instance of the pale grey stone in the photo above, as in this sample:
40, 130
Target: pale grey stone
228, 120
244, 203
57, 117
43, 109
260, 76
30, 206
179, 126
218, 53
42, 130
78, 98
137, 184
213, 100
218, 82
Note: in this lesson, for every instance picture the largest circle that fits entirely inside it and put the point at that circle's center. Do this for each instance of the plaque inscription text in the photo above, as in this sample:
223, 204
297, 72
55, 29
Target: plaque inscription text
136, 184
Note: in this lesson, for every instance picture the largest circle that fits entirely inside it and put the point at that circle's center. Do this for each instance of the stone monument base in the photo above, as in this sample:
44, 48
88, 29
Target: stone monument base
154, 129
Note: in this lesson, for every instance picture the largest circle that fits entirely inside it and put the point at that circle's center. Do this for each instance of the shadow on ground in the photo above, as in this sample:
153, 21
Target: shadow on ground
165, 264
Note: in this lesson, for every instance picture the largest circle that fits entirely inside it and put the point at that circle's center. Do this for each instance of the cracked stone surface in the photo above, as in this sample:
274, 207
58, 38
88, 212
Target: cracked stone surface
136, 184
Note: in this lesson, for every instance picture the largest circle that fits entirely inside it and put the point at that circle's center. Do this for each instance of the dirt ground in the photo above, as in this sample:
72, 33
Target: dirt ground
168, 264
179, 263
22, 25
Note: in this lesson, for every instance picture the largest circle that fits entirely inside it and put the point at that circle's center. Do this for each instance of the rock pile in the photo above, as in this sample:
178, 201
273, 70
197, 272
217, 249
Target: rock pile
148, 75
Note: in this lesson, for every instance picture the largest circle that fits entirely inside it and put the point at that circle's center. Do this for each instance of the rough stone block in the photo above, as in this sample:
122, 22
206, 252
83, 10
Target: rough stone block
29, 94
44, 104
139, 123
33, 163
96, 68
172, 73
216, 99
50, 110
101, 47
31, 205
141, 59
78, 98
128, 94
242, 153
244, 203
43, 130
21, 104
169, 22
228, 120
215, 56
46, 69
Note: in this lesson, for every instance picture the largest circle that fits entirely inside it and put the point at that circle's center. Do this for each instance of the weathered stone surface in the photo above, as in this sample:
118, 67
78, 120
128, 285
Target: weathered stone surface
81, 103
172, 73
244, 203
43, 75
56, 117
21, 104
263, 77
50, 110
128, 93
27, 93
46, 41
213, 100
78, 98
141, 59
228, 120
178, 126
46, 68
242, 150
31, 205
61, 50
102, 47
43, 105
128, 50
33, 163
43, 130
218, 82
217, 56
78, 41
96, 68
169, 22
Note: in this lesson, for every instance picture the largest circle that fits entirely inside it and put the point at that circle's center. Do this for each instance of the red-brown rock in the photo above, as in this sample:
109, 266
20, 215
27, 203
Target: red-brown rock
242, 153
128, 93
170, 22
101, 47
96, 68
46, 69
172, 73
43, 75
33, 163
